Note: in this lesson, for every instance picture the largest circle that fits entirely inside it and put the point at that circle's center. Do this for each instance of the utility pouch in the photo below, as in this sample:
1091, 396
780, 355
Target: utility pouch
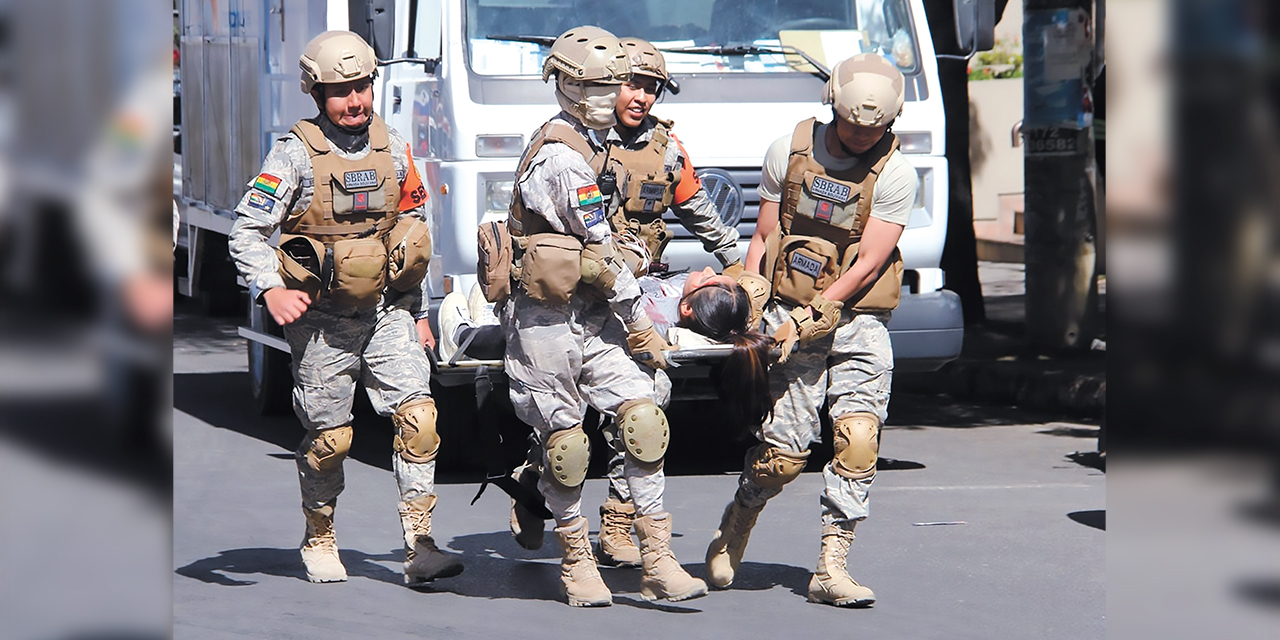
493, 268
359, 271
806, 266
408, 253
886, 291
300, 264
551, 267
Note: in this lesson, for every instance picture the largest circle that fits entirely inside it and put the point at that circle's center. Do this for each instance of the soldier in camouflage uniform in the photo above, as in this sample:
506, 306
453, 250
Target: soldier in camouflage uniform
568, 343
347, 285
835, 198
653, 174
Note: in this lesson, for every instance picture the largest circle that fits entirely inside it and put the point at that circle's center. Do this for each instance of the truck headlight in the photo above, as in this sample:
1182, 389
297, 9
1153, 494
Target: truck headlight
497, 196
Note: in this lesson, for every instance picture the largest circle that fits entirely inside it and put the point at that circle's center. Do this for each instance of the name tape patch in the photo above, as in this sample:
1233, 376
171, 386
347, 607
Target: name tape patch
806, 265
824, 188
651, 191
362, 179
593, 217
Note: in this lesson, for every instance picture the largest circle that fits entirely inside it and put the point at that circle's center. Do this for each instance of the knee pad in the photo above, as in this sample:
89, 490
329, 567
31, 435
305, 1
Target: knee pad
771, 467
568, 454
857, 444
325, 450
416, 438
644, 430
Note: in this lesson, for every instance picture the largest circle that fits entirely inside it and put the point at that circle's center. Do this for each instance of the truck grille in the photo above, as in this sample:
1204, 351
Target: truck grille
748, 178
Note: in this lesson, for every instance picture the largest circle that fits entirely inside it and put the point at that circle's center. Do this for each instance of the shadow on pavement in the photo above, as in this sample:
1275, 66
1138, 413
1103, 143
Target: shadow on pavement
284, 563
498, 568
1260, 591
1096, 518
201, 394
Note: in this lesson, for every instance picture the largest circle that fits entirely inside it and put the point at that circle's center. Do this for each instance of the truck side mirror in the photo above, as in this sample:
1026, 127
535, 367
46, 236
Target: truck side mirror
375, 21
975, 25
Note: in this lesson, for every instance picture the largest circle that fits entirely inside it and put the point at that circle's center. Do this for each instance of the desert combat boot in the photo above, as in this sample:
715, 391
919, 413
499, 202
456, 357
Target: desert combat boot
724, 554
320, 546
663, 576
583, 586
831, 583
423, 560
617, 548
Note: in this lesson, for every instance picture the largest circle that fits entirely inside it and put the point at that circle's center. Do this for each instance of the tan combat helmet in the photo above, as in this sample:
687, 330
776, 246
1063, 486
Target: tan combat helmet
588, 54
645, 58
336, 56
866, 90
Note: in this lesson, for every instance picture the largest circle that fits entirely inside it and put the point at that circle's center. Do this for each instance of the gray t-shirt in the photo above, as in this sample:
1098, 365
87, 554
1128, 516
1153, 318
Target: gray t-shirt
895, 189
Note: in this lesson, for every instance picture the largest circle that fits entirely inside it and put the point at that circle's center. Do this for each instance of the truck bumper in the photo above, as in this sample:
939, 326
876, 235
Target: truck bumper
927, 331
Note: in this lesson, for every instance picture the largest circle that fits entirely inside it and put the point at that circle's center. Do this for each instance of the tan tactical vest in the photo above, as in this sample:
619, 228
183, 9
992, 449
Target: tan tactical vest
646, 188
335, 248
822, 217
352, 197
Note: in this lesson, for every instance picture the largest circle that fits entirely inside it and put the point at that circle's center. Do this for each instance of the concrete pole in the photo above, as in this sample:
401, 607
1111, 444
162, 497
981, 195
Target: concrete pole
1060, 221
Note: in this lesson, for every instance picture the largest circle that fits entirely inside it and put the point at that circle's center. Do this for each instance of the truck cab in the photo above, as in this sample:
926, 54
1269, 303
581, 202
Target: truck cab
461, 81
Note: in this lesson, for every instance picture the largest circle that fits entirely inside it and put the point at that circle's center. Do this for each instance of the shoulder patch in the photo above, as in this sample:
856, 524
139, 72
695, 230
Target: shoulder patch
266, 183
588, 196
593, 217
260, 202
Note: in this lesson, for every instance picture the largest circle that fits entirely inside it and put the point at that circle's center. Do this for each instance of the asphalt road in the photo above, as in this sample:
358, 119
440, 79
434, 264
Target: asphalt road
1022, 555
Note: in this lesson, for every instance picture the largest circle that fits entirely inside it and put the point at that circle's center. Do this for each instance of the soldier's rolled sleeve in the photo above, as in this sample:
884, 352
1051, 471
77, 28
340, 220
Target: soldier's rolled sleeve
258, 215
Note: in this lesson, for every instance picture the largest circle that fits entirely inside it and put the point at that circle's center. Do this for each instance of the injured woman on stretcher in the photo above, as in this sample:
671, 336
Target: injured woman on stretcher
708, 317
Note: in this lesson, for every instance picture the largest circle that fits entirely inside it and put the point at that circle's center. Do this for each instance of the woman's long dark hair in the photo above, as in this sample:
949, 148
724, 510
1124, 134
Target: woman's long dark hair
720, 312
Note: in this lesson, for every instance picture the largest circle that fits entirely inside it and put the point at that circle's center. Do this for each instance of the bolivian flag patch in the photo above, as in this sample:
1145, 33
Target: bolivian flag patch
588, 196
266, 183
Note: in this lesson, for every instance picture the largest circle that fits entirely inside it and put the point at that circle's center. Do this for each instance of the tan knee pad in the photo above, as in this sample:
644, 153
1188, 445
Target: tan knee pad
771, 467
416, 438
568, 454
325, 450
644, 430
857, 444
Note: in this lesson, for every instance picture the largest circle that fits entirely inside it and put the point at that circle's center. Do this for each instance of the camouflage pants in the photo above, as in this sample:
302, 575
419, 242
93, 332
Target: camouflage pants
333, 348
851, 369
559, 360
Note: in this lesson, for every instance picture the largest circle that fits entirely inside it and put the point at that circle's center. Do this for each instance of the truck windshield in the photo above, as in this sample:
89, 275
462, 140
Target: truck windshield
827, 30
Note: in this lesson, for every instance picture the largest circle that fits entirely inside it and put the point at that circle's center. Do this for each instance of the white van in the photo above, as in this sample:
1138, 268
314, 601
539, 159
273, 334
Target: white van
462, 82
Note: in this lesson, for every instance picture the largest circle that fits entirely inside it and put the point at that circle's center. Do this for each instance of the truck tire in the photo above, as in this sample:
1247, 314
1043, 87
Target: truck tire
270, 380
270, 377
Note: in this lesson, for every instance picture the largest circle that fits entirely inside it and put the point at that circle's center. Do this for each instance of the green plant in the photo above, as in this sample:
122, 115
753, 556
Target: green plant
1003, 61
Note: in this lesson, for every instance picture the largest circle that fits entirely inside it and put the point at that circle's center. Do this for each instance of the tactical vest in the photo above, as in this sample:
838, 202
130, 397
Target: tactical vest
545, 263
821, 219
646, 188
523, 222
335, 247
352, 197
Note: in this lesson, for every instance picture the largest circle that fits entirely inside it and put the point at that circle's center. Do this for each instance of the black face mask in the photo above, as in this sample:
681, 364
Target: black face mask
348, 139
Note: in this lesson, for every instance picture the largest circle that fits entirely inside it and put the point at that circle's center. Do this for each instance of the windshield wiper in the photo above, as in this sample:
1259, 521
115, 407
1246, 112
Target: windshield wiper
754, 50
544, 41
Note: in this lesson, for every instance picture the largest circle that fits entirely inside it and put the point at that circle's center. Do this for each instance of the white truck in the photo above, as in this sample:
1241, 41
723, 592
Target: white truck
461, 80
